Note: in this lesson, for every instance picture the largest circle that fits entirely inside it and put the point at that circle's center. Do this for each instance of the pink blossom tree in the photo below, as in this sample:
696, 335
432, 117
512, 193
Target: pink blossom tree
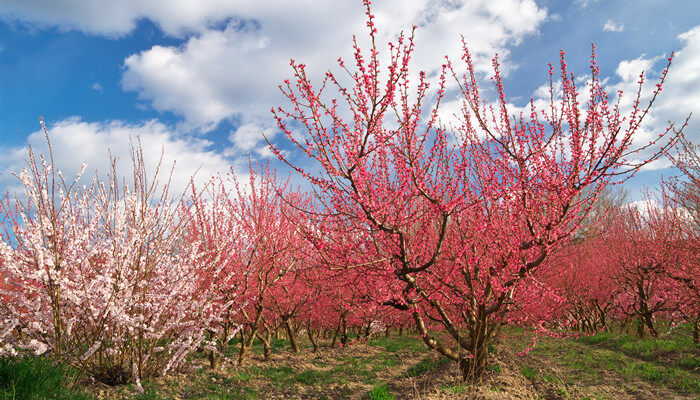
462, 216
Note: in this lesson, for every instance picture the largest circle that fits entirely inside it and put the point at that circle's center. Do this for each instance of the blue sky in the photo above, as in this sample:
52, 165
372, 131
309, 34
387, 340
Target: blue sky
199, 78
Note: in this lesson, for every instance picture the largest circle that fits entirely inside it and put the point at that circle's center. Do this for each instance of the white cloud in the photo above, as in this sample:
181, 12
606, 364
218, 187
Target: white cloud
236, 53
249, 135
96, 86
629, 70
612, 26
586, 3
680, 95
234, 71
75, 141
118, 18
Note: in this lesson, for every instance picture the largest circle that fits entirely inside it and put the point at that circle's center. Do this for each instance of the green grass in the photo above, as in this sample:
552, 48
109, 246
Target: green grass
398, 343
456, 388
669, 361
280, 376
381, 392
356, 368
311, 377
691, 363
425, 365
495, 368
150, 392
36, 378
528, 372
667, 376
644, 348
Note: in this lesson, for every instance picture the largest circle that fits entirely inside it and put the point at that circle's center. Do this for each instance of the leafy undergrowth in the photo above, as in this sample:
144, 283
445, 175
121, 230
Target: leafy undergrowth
603, 366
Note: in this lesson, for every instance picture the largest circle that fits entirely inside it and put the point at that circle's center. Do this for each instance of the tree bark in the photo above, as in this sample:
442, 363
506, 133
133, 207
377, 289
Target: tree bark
266, 343
344, 331
640, 328
292, 334
213, 355
313, 340
247, 343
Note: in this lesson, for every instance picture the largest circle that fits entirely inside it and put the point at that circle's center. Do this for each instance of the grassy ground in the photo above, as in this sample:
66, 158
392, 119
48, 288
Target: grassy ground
603, 366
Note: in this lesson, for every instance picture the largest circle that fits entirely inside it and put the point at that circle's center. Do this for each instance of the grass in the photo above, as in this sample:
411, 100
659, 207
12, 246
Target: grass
456, 388
425, 365
555, 368
381, 392
645, 348
690, 363
667, 376
36, 378
313, 377
528, 372
670, 361
394, 344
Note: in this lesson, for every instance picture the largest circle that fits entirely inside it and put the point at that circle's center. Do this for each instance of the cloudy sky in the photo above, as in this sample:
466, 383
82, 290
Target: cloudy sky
198, 78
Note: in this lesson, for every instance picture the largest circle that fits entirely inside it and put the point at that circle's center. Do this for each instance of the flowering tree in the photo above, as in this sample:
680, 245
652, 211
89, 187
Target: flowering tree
101, 276
270, 248
212, 225
461, 217
643, 246
684, 191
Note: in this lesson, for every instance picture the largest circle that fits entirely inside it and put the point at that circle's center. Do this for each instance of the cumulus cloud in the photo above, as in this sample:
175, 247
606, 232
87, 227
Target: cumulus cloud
118, 18
612, 26
679, 98
234, 54
629, 70
233, 72
75, 142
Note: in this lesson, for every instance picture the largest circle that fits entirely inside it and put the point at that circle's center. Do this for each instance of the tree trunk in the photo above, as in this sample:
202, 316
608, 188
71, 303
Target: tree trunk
640, 328
247, 343
311, 338
335, 336
650, 324
473, 366
213, 355
266, 343
344, 331
292, 335
214, 359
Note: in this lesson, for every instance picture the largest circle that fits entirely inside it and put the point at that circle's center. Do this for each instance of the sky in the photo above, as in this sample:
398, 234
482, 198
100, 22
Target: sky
196, 80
